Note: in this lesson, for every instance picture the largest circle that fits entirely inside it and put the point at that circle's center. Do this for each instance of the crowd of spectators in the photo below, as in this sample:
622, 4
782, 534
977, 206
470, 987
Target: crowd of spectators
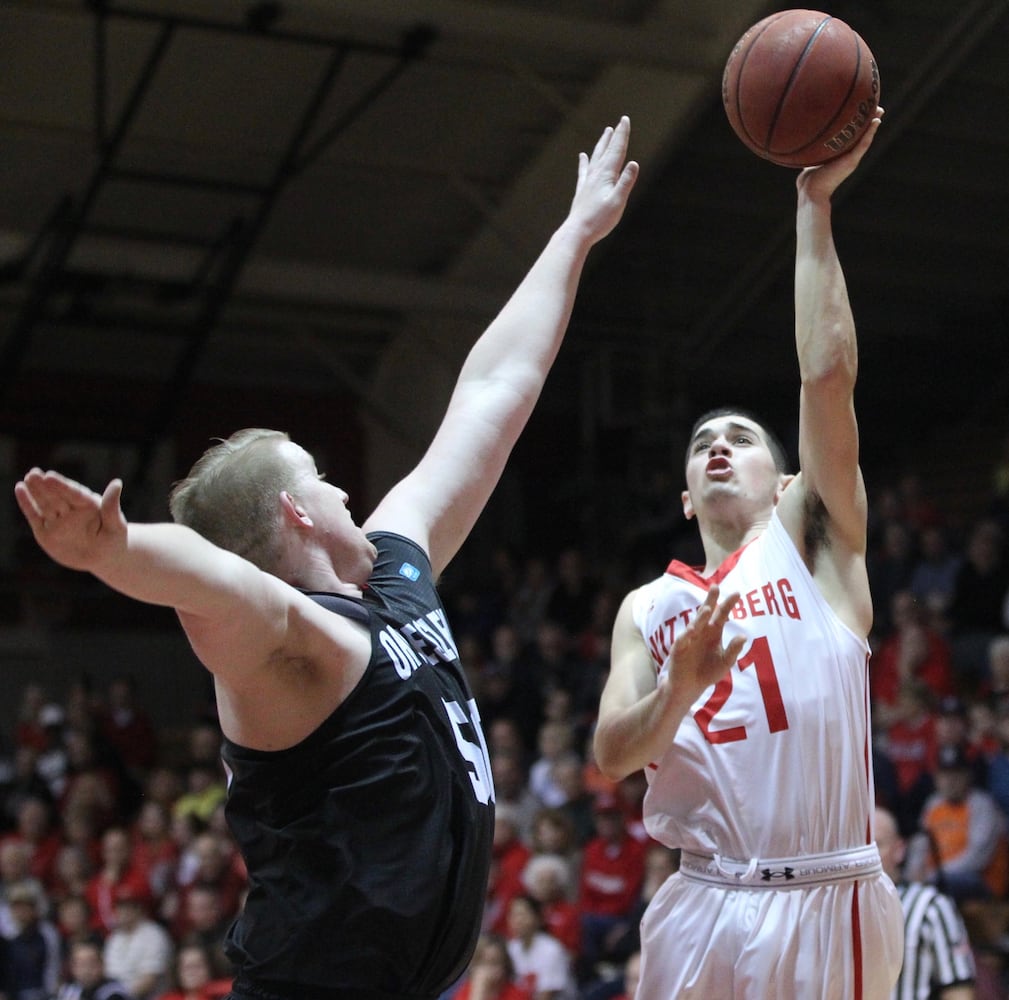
118, 877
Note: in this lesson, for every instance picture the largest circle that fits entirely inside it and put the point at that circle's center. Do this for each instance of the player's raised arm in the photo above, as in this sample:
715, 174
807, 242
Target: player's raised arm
828, 352
501, 379
164, 564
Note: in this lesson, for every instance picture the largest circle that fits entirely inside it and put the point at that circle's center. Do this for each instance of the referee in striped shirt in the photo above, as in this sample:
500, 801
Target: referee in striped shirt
938, 961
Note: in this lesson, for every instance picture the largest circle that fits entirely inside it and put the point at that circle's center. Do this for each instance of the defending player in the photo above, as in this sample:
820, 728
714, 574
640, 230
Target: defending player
360, 791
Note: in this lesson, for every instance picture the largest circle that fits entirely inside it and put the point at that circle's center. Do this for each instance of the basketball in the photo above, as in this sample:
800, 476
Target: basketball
800, 87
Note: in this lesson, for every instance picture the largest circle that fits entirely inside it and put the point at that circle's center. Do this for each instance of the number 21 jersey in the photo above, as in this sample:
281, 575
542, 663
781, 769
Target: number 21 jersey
773, 761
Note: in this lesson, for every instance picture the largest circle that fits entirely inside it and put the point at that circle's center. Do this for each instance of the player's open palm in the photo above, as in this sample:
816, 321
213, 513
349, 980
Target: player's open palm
698, 658
604, 181
74, 525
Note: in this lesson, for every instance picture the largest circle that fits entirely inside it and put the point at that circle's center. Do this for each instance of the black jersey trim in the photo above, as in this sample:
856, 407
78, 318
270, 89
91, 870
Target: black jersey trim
340, 604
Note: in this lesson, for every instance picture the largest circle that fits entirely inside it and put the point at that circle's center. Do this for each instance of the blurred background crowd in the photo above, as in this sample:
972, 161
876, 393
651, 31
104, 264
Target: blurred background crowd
118, 877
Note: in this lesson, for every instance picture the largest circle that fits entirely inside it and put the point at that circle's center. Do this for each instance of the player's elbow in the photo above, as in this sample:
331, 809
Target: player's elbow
611, 754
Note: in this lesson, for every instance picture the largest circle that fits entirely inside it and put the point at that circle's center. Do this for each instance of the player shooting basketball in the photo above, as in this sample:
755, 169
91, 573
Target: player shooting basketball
749, 712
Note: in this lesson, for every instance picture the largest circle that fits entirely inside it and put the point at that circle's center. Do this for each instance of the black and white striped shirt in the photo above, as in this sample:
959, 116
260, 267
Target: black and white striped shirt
937, 952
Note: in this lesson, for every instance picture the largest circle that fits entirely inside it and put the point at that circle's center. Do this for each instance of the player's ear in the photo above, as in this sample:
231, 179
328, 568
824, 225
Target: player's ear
783, 481
688, 507
293, 511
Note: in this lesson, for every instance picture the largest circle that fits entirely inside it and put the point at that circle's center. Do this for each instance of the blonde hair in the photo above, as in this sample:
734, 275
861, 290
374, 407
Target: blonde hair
230, 494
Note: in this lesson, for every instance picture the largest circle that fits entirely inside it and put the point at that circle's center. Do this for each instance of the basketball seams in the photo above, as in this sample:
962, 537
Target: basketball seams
830, 124
789, 84
740, 65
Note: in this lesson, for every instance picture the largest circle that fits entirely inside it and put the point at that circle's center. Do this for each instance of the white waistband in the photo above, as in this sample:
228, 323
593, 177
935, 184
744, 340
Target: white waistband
782, 873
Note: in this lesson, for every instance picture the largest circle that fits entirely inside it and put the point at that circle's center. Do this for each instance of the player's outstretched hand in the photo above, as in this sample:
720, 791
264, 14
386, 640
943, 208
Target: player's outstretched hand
73, 525
822, 181
698, 658
604, 182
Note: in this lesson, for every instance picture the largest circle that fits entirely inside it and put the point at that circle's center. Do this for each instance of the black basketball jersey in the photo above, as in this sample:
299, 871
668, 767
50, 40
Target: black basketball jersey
368, 844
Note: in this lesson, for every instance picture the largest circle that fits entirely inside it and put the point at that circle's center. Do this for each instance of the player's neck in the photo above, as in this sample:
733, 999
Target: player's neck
722, 538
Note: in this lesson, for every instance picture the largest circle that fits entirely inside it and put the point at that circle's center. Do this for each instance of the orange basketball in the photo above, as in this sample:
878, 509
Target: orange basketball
800, 87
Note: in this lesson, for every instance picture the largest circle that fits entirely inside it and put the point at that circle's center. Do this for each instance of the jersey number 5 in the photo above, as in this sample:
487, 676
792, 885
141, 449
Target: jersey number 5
475, 753
759, 657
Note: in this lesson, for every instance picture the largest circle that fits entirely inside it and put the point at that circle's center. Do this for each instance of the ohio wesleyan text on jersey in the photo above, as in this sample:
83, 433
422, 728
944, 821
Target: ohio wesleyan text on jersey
368, 844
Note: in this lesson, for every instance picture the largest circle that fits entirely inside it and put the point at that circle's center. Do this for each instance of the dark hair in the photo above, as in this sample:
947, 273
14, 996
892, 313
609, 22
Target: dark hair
770, 438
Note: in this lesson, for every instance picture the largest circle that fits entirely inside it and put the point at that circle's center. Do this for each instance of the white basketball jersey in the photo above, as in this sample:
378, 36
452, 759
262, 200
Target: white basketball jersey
773, 761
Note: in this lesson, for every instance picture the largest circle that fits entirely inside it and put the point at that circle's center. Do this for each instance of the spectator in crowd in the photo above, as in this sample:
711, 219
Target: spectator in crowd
632, 974
138, 950
998, 669
73, 871
998, 763
511, 789
504, 735
952, 729
28, 728
93, 780
529, 603
542, 966
548, 879
73, 921
934, 576
963, 847
579, 802
117, 874
612, 873
205, 791
37, 831
207, 924
509, 688
195, 977
163, 785
911, 651
624, 940
491, 974
15, 870
554, 833
570, 603
215, 870
556, 738
53, 761
938, 961
975, 611
510, 855
154, 849
127, 727
81, 828
33, 952
88, 980
890, 567
622, 987
23, 782
552, 661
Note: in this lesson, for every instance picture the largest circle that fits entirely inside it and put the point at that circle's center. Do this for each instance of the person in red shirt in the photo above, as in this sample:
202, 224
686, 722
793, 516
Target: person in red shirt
195, 978
155, 850
547, 878
36, 831
118, 872
912, 745
510, 855
912, 651
612, 873
128, 728
491, 973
